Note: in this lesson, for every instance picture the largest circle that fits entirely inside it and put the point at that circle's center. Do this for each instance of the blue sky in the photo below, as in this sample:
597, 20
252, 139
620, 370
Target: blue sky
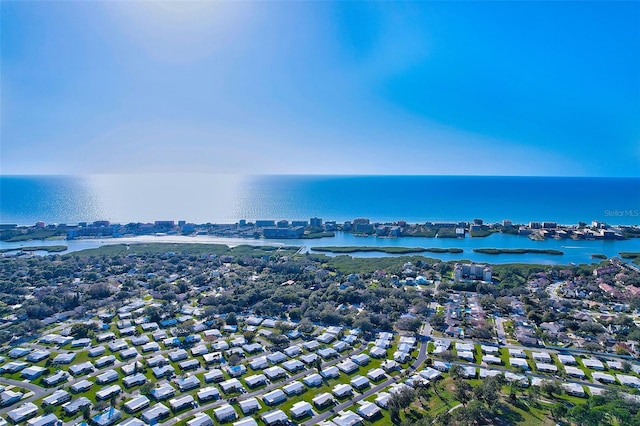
471, 88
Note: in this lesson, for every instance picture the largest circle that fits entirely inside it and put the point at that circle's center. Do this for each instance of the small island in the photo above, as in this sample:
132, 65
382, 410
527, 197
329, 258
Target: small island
389, 250
518, 251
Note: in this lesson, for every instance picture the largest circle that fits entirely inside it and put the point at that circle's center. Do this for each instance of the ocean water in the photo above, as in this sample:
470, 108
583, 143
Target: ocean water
214, 198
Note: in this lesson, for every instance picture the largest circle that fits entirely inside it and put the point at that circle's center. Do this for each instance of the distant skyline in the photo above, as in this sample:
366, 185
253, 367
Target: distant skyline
455, 88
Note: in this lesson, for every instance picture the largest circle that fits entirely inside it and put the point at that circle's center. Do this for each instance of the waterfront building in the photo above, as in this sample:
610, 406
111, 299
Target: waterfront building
472, 271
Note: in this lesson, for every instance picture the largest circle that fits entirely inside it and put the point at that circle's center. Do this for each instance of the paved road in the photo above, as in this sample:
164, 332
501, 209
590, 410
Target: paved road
38, 392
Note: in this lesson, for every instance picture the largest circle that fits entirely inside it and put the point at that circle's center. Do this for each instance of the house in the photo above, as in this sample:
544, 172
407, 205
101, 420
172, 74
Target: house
105, 360
106, 418
468, 372
199, 350
201, 419
567, 359
64, 358
32, 372
574, 389
517, 353
292, 351
108, 392
118, 345
327, 353
236, 370
311, 345
342, 390
378, 352
134, 380
628, 380
231, 385
382, 399
136, 404
38, 355
274, 373
178, 355
361, 359
208, 394
252, 348
178, 404
313, 380
150, 347
9, 397
376, 374
107, 377
293, 365
225, 413
82, 368
275, 417
390, 365
259, 363
293, 388
96, 351
57, 377
594, 364
250, 405
18, 352
154, 361
274, 397
323, 400
547, 368
212, 358
140, 340
14, 367
348, 418
368, 410
72, 407
541, 356
78, 343
59, 397
491, 359
163, 371
301, 409
347, 366
276, 357
162, 392
81, 386
519, 363
189, 364
213, 376
330, 372
309, 358
188, 383
255, 380
43, 420
22, 413
603, 377
156, 413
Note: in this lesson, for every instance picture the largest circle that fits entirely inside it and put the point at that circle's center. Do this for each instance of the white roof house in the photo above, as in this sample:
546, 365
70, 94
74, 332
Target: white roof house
274, 372
213, 375
301, 409
484, 373
574, 389
541, 356
230, 385
163, 392
293, 388
347, 418
249, 405
627, 380
330, 372
155, 413
382, 399
274, 397
603, 377
208, 393
43, 420
323, 399
517, 353
341, 390
225, 413
368, 410
293, 365
360, 382
567, 359
201, 419
548, 368
575, 372
519, 362
247, 421
276, 357
81, 386
347, 366
312, 380
274, 417
376, 374
592, 363
136, 404
491, 359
